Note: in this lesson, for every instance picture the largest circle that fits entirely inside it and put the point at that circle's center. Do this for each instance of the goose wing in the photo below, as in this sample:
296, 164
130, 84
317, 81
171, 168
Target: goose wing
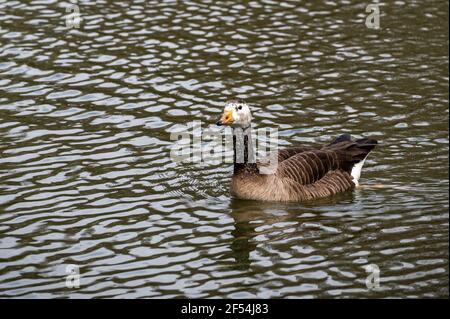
282, 155
286, 153
309, 166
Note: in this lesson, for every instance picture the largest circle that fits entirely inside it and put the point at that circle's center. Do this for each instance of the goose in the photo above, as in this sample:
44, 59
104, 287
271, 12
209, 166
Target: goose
301, 173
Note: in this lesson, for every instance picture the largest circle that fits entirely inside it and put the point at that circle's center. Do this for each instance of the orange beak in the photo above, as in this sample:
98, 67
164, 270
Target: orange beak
227, 118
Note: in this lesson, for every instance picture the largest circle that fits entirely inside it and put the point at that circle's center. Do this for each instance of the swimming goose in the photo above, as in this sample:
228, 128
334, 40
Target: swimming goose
301, 173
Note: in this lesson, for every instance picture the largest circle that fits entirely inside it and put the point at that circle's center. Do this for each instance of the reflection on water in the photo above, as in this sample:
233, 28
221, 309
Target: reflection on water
86, 178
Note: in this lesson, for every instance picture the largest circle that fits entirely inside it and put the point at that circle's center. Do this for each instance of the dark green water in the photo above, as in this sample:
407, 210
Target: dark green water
86, 178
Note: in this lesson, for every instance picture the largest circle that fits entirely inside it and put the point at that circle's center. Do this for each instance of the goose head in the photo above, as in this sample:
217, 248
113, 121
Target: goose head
236, 114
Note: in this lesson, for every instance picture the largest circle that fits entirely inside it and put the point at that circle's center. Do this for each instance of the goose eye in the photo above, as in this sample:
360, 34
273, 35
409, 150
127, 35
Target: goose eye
240, 107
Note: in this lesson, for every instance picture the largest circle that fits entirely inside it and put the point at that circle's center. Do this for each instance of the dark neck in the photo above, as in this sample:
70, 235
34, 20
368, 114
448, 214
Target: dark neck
244, 158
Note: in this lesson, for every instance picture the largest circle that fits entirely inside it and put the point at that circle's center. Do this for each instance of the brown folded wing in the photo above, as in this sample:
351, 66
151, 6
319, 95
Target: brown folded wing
309, 167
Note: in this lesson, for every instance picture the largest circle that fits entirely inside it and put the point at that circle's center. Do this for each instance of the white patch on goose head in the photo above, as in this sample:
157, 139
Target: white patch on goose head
237, 114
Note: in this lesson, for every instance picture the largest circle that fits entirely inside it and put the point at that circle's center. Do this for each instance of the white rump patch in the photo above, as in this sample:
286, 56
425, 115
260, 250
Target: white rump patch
356, 171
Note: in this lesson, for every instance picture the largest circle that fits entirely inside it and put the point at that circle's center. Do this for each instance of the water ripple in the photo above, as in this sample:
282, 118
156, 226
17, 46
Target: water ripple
86, 179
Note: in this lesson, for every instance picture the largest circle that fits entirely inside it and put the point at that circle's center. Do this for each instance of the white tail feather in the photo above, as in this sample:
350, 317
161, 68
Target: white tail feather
356, 171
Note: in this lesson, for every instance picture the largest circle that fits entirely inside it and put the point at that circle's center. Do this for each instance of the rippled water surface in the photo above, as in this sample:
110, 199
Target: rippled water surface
86, 178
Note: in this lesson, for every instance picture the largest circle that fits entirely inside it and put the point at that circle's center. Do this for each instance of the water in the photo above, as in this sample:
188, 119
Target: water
86, 178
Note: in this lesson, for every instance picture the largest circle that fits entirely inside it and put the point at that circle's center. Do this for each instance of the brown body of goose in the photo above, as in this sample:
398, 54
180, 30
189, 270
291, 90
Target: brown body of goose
300, 173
